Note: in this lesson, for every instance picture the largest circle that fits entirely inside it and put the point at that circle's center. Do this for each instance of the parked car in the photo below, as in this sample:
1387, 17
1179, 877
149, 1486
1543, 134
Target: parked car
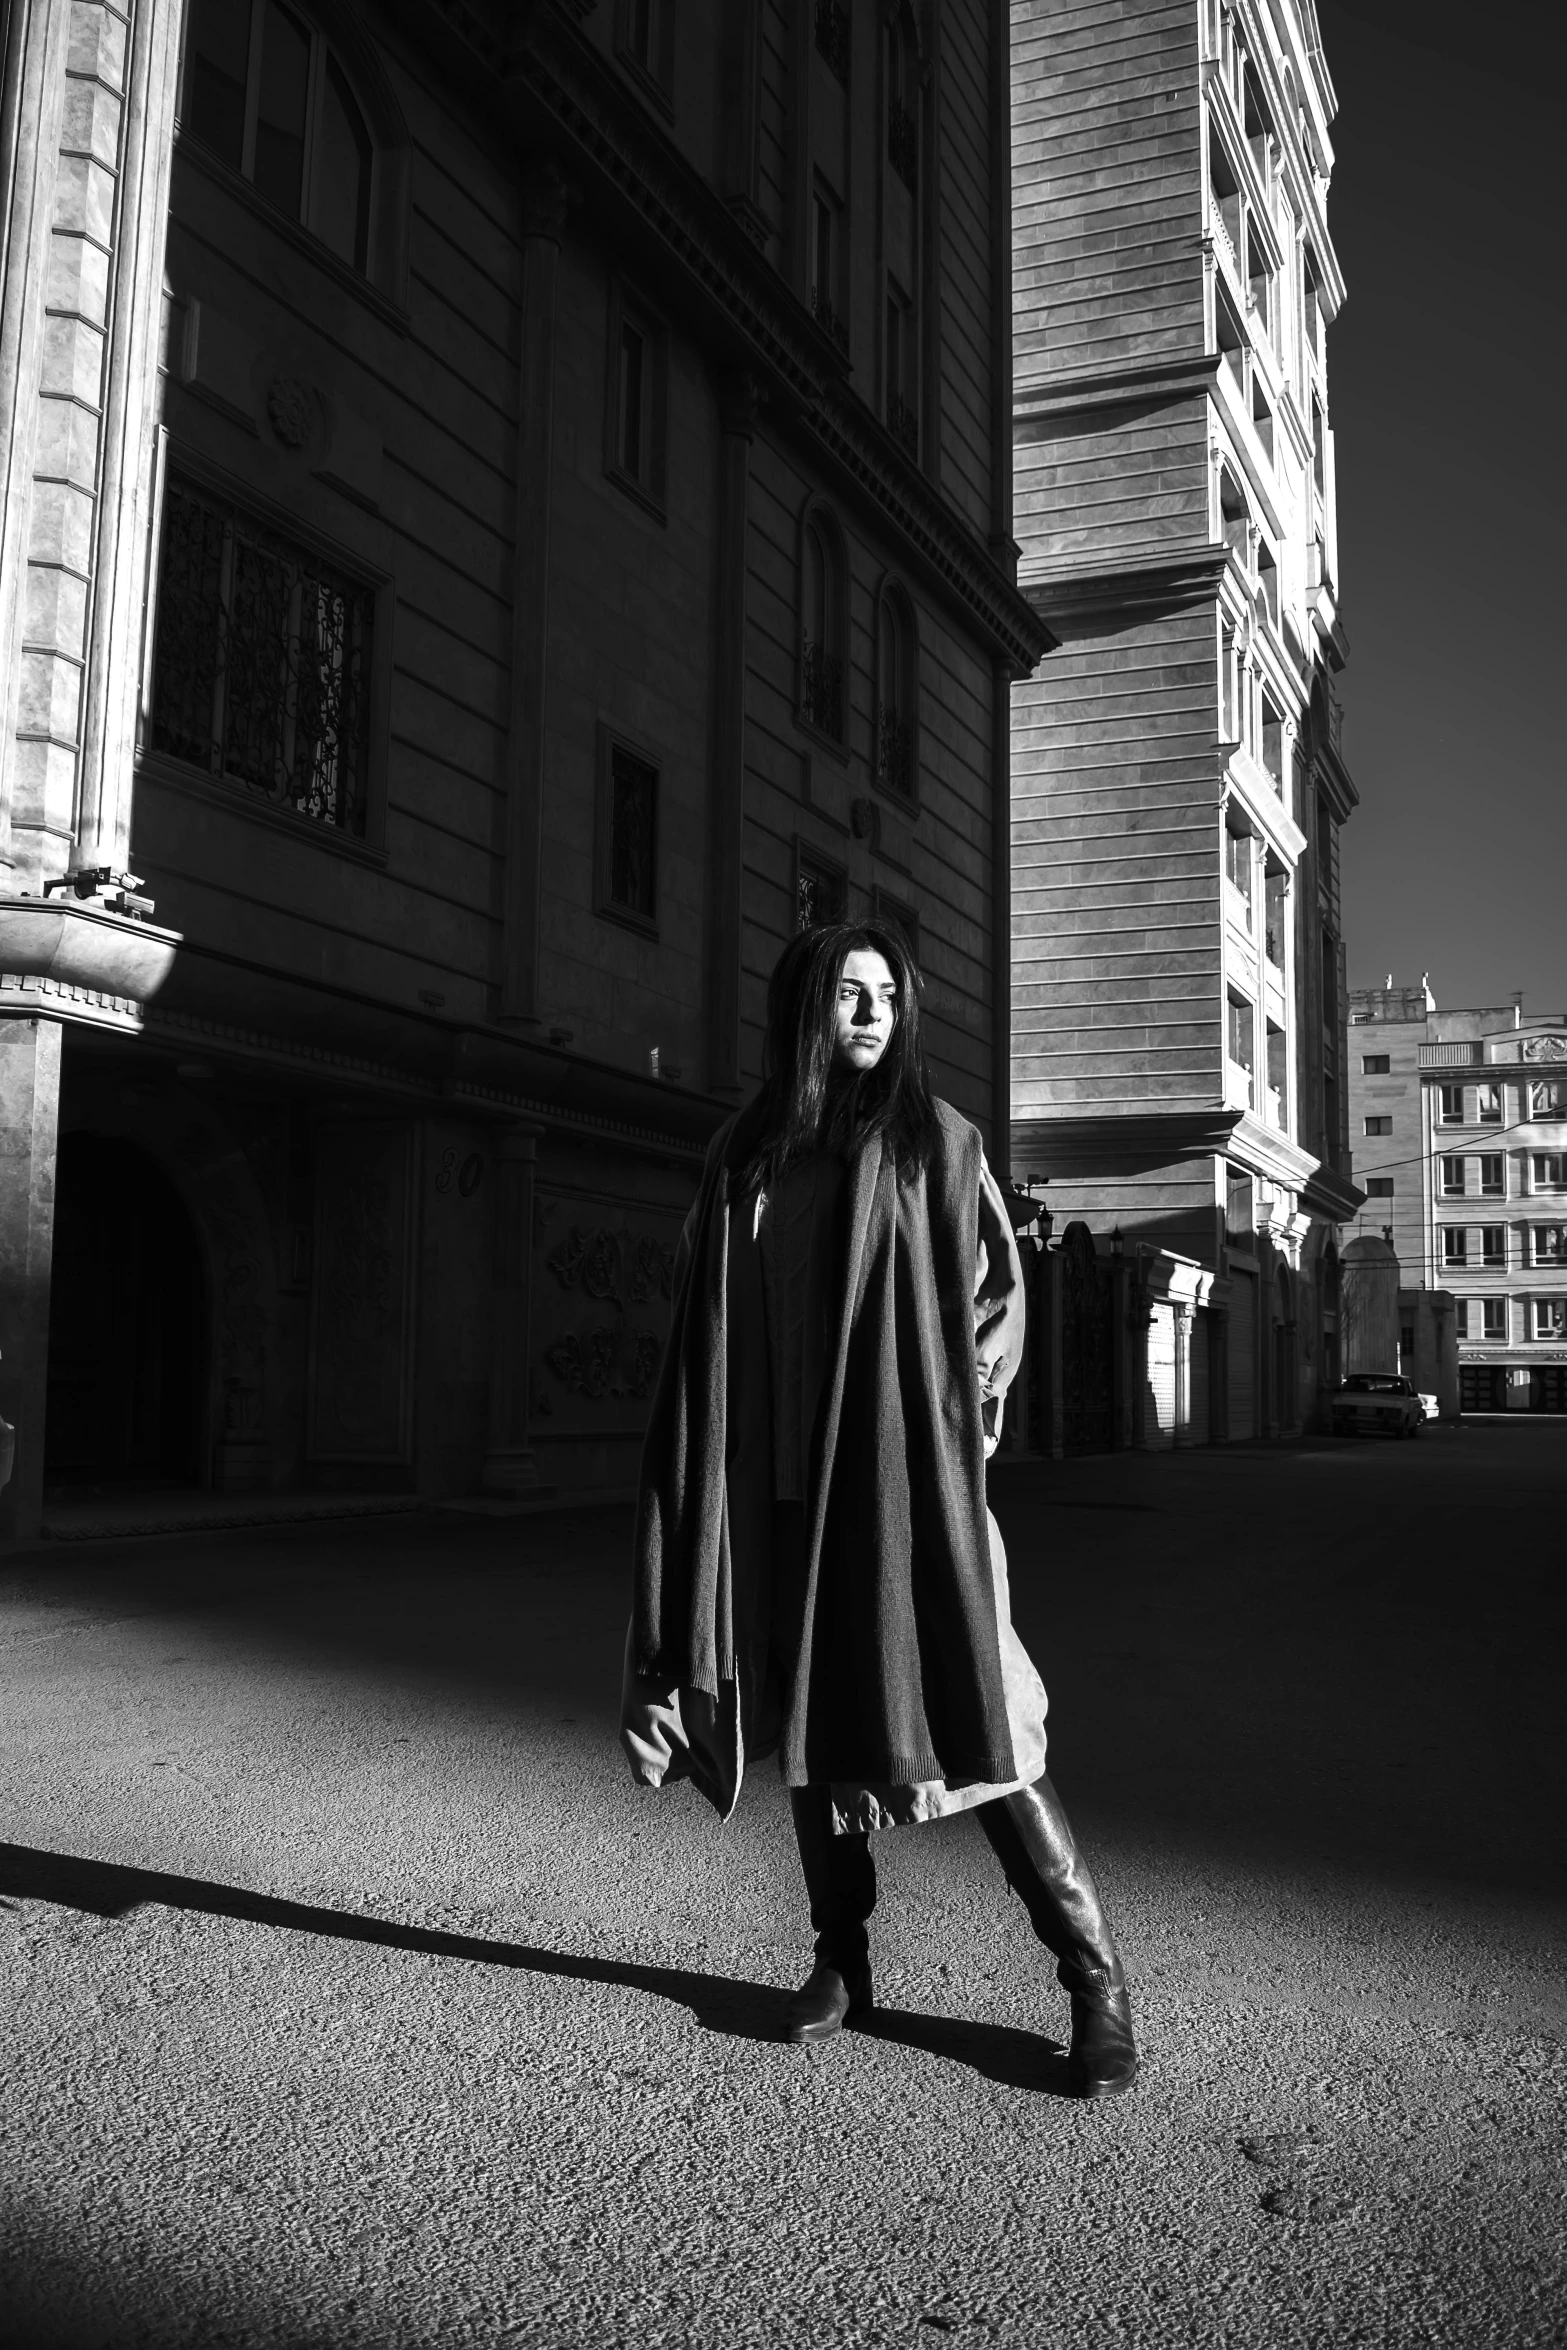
1377, 1403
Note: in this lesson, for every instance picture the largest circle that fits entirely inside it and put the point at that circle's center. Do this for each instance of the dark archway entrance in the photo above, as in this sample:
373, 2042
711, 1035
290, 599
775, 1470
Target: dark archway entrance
126, 1352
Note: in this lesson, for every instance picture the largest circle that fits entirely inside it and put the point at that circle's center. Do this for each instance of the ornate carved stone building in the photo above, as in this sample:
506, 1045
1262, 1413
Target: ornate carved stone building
1178, 784
507, 510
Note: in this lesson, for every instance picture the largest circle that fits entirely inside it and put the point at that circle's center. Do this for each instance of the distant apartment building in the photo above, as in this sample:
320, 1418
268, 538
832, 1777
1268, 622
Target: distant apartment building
1460, 1126
1178, 782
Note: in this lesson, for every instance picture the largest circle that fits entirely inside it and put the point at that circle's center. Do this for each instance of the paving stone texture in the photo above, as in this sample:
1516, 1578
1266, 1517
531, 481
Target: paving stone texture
356, 2000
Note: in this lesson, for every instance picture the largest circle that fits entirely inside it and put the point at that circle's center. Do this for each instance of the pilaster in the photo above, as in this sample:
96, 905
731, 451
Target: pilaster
544, 209
738, 403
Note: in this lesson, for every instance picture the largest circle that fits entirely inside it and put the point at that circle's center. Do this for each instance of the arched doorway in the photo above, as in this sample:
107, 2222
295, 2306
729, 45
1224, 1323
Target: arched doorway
126, 1353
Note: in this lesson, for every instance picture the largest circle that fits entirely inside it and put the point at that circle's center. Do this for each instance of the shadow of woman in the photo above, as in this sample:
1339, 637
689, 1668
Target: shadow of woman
727, 2004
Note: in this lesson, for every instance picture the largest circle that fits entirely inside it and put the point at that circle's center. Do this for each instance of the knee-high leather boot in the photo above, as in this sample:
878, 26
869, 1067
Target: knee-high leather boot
1032, 1838
840, 1878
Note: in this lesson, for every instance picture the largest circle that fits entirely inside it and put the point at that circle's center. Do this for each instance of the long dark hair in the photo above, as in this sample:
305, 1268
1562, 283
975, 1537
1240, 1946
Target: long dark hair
805, 1103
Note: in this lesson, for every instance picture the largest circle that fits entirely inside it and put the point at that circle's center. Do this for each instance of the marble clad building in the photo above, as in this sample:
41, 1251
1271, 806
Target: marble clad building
1179, 786
508, 510
1460, 1120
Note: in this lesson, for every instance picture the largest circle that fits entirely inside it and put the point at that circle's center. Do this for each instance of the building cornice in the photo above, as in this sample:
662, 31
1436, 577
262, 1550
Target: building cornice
616, 155
1132, 1142
1170, 581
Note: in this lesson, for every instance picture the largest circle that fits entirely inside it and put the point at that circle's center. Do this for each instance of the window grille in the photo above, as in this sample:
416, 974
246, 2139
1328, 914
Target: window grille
633, 833
895, 752
823, 689
832, 38
263, 661
818, 893
903, 143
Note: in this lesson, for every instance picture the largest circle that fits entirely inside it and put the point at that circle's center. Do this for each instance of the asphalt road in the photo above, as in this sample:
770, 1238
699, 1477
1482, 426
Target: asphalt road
355, 1997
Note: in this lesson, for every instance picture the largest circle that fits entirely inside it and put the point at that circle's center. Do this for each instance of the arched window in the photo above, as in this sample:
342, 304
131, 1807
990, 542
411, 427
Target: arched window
266, 95
897, 697
822, 625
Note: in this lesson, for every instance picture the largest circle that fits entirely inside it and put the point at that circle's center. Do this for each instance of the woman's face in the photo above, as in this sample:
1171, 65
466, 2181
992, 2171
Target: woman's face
867, 1009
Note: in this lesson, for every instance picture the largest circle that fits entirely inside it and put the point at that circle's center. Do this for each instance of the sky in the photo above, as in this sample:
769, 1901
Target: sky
1445, 385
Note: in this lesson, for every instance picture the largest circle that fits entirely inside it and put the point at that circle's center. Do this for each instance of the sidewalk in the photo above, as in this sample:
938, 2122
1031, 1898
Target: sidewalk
359, 2002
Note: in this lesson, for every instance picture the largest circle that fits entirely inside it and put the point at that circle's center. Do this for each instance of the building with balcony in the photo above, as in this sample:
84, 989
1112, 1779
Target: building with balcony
507, 513
1460, 1126
1179, 787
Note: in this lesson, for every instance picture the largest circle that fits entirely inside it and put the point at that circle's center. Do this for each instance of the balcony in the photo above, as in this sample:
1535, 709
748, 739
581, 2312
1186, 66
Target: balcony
1240, 1091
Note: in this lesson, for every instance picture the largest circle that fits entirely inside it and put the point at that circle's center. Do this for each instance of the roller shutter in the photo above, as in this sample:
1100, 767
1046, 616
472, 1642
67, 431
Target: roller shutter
1243, 1357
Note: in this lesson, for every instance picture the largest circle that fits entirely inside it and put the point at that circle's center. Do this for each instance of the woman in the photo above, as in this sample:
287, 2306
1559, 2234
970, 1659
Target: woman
816, 1568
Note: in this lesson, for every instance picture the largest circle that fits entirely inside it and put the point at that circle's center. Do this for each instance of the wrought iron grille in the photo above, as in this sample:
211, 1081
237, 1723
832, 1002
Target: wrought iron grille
822, 695
832, 37
903, 143
819, 896
633, 833
263, 657
894, 752
903, 423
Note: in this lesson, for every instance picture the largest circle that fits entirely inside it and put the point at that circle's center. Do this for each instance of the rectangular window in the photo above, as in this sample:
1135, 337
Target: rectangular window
832, 38
1318, 432
902, 413
1550, 1317
1548, 1171
627, 828
1242, 1043
1548, 1100
1379, 1187
1493, 1247
1268, 579
1273, 743
644, 40
262, 671
1379, 1125
1493, 1175
1329, 980
1452, 1178
1452, 1105
1229, 703
1488, 1103
1275, 911
898, 916
826, 264
1455, 1244
1493, 1318
1238, 865
1375, 1064
820, 890
1262, 418
1461, 1318
635, 399
1548, 1244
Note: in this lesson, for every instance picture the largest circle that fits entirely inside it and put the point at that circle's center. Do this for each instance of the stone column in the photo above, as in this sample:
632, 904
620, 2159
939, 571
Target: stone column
738, 402
79, 388
1182, 1427
544, 207
29, 1126
1001, 919
509, 1463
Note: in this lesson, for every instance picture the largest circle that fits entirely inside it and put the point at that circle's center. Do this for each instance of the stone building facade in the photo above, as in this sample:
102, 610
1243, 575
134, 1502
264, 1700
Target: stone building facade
508, 511
1179, 787
1460, 1125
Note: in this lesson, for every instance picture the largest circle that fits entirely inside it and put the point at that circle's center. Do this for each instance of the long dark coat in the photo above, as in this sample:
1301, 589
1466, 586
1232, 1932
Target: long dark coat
897, 1677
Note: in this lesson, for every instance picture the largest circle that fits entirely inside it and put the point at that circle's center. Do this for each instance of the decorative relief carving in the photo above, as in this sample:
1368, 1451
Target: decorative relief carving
603, 1315
1545, 1048
291, 410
